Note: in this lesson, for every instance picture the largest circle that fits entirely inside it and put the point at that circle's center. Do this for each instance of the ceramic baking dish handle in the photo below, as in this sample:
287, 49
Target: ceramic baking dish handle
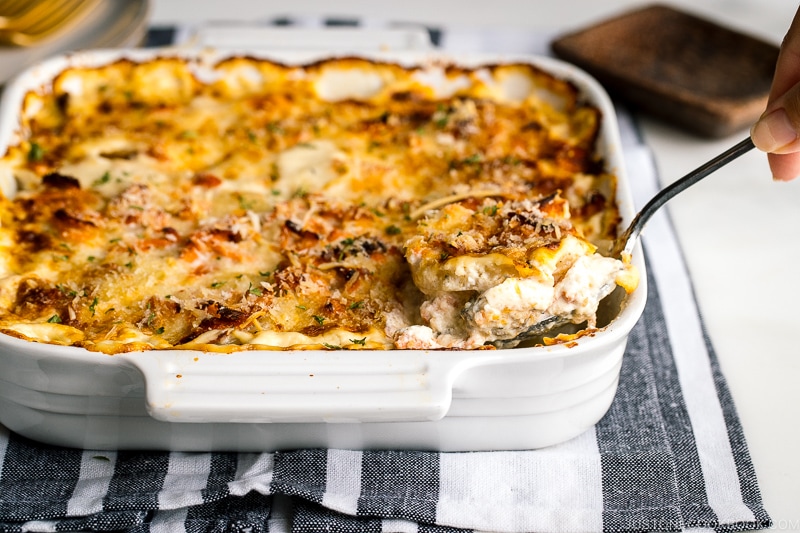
302, 386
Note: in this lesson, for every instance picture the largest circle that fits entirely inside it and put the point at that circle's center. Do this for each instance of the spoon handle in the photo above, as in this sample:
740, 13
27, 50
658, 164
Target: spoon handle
631, 235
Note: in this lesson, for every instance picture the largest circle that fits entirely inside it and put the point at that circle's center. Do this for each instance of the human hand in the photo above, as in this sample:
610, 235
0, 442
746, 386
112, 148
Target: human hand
778, 130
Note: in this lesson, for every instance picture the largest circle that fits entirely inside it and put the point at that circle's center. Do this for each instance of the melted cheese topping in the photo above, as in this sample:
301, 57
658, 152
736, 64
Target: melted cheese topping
345, 204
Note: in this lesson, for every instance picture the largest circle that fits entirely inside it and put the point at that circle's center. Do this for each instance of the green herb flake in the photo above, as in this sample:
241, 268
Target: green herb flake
35, 152
217, 284
393, 230
93, 305
319, 319
105, 178
357, 305
55, 319
254, 290
66, 291
360, 342
244, 203
331, 346
490, 210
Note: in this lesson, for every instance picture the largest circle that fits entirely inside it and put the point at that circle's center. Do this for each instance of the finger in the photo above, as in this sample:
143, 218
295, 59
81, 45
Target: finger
777, 130
787, 68
784, 167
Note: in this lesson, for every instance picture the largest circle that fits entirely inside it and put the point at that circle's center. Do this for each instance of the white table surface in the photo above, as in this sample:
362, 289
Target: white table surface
739, 229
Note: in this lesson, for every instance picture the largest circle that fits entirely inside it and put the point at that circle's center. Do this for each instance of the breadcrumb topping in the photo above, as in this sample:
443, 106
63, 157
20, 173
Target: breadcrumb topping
273, 207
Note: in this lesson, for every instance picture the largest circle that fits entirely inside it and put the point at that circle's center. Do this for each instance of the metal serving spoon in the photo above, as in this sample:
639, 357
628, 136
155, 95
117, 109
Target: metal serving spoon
626, 242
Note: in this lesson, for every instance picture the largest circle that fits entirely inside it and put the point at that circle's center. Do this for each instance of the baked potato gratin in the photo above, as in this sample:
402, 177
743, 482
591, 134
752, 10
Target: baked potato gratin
344, 204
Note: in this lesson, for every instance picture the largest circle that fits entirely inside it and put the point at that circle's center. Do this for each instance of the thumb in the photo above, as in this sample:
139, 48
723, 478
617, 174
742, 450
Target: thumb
778, 129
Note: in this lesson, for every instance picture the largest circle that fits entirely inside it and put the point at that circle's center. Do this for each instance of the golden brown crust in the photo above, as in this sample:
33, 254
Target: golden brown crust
156, 210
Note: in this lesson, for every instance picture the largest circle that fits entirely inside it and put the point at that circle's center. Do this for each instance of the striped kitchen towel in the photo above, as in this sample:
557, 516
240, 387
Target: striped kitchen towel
669, 455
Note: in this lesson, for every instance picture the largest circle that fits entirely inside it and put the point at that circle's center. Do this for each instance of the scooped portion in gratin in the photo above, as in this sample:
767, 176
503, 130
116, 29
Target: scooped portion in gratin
344, 204
492, 269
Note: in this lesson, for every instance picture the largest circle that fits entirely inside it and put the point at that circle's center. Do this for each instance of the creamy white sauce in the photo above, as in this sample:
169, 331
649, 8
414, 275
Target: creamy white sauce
306, 167
510, 307
505, 310
578, 294
342, 84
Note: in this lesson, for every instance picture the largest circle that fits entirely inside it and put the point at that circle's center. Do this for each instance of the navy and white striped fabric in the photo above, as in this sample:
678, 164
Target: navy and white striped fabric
669, 455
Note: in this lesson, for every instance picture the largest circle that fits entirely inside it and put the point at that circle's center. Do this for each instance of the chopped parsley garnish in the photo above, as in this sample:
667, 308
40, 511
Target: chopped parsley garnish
331, 346
319, 319
93, 305
105, 178
35, 152
356, 305
217, 284
244, 203
55, 319
490, 210
66, 291
360, 342
393, 230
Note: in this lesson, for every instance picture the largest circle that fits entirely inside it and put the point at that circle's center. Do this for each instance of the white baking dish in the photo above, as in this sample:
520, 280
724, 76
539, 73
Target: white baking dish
267, 400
